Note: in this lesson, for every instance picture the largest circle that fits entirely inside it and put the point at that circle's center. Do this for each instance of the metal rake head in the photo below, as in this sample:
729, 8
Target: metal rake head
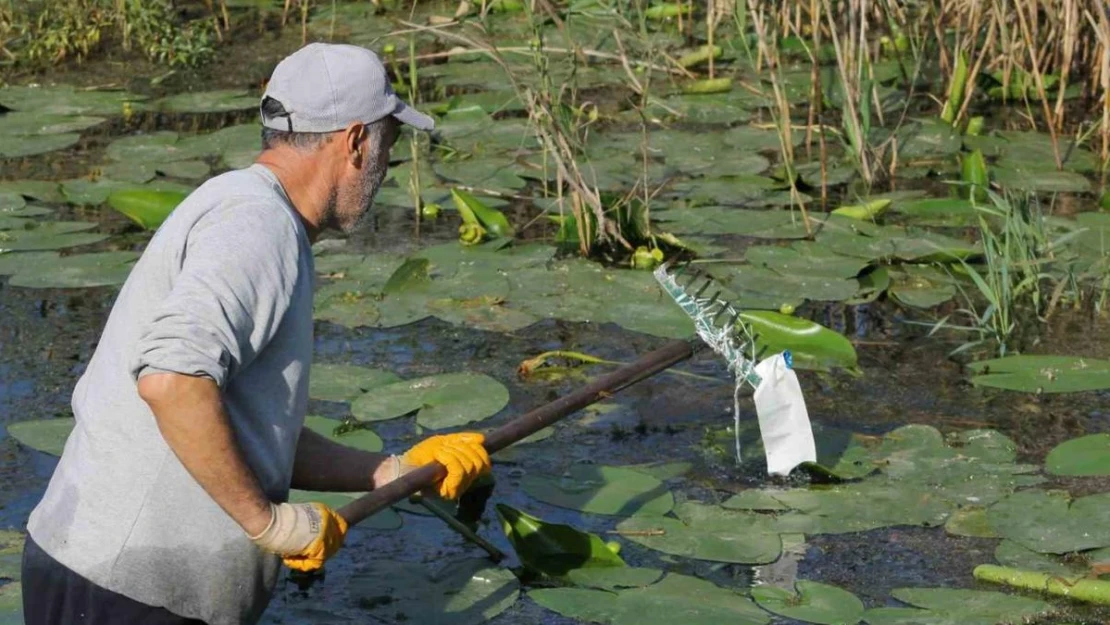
734, 340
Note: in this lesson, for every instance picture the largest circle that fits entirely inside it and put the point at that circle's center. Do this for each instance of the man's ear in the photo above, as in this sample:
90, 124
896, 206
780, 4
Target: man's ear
352, 142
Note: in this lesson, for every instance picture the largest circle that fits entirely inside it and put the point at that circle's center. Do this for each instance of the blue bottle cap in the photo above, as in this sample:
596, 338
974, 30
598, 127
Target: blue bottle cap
789, 359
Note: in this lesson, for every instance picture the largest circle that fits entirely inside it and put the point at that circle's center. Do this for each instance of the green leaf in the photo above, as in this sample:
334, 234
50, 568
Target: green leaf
68, 100
812, 345
813, 603
357, 437
938, 211
12, 192
343, 383
1051, 522
554, 549
219, 101
598, 489
441, 401
974, 173
708, 532
464, 592
866, 211
411, 275
384, 520
45, 435
675, 599
1012, 554
921, 286
1042, 374
971, 522
950, 606
1020, 178
76, 271
1087, 455
613, 578
474, 211
19, 146
146, 207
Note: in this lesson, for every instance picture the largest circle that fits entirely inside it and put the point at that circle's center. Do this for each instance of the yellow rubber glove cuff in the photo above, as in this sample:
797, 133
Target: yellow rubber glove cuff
463, 455
304, 534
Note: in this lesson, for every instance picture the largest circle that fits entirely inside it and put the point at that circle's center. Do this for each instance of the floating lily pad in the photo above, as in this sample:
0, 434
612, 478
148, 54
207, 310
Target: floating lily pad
11, 554
859, 507
11, 604
466, 592
68, 100
707, 532
1020, 178
1051, 522
383, 520
613, 577
1087, 455
663, 471
754, 499
724, 191
949, 606
804, 257
42, 190
1042, 374
82, 191
1010, 553
555, 549
971, 522
34, 124
146, 207
787, 287
343, 383
18, 146
76, 271
219, 101
937, 211
11, 263
441, 401
600, 489
813, 603
356, 437
45, 435
675, 599
921, 286
766, 224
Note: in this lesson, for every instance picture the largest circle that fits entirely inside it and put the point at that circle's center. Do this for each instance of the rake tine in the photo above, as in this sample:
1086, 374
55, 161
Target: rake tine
703, 288
681, 269
732, 322
713, 300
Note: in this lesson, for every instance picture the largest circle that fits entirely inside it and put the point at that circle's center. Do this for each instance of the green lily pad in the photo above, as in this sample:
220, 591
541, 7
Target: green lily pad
76, 271
949, 606
219, 101
11, 554
45, 435
554, 549
813, 603
12, 263
343, 383
927, 138
1087, 455
82, 191
41, 190
613, 578
812, 345
356, 437
1020, 178
441, 401
675, 599
600, 489
754, 499
971, 522
709, 533
68, 100
19, 146
384, 520
921, 286
724, 191
937, 211
787, 287
663, 470
464, 592
1051, 522
1042, 374
765, 224
146, 207
811, 259
11, 604
859, 507
33, 124
1010, 553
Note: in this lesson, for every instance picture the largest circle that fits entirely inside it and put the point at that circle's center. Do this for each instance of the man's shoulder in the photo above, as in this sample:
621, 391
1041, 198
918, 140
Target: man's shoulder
240, 204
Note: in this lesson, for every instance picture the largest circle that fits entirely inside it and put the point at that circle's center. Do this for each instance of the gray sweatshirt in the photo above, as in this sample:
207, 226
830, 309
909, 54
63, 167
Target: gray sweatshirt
224, 290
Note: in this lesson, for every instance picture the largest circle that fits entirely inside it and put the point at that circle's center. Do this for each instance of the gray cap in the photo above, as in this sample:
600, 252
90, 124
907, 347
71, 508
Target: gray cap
324, 87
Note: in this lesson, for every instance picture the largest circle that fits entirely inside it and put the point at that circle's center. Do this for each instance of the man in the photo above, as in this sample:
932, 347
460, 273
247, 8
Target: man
167, 505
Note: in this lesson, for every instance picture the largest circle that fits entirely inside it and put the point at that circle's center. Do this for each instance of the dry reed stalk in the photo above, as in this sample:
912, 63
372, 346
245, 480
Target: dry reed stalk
1102, 32
1030, 41
848, 66
1070, 41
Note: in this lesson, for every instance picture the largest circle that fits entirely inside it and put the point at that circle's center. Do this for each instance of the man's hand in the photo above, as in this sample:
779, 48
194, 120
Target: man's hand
463, 455
304, 534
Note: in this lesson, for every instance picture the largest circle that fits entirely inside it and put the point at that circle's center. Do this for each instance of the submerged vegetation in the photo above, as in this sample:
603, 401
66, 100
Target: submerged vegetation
857, 176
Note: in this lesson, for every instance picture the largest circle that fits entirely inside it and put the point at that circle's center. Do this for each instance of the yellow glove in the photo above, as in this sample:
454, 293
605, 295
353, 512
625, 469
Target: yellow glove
304, 534
463, 455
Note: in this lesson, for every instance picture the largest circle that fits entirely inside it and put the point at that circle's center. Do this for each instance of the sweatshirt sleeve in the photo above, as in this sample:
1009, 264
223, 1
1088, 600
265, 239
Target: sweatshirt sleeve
234, 286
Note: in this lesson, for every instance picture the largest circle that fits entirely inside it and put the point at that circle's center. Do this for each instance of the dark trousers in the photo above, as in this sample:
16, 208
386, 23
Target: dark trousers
55, 595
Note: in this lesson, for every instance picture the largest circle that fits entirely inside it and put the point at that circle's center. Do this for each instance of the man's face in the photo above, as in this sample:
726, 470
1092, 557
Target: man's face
355, 195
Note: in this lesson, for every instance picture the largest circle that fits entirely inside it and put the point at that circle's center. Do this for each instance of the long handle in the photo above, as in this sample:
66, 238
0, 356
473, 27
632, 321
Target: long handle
644, 367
